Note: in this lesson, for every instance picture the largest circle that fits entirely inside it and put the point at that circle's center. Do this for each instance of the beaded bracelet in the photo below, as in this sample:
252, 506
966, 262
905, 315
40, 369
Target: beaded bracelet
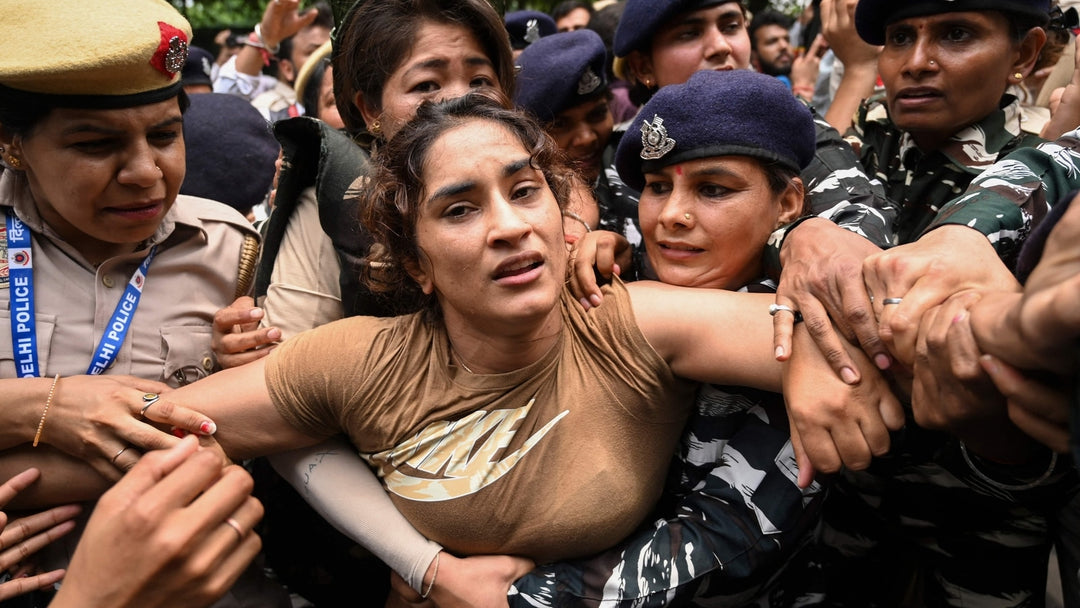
45, 412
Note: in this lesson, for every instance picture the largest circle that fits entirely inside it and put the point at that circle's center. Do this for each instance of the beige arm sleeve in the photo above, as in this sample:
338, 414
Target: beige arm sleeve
335, 481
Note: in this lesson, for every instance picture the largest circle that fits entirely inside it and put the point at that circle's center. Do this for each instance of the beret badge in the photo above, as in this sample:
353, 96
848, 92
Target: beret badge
654, 139
172, 51
588, 83
532, 31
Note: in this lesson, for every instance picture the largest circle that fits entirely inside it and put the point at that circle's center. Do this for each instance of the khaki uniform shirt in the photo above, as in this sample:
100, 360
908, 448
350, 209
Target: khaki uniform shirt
193, 275
304, 290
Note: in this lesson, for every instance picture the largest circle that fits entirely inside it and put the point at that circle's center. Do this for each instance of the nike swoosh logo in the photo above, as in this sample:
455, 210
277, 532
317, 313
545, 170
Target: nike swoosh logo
457, 458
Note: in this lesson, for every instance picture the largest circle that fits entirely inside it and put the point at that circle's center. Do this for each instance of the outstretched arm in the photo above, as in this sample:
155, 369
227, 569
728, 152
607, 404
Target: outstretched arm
239, 402
709, 335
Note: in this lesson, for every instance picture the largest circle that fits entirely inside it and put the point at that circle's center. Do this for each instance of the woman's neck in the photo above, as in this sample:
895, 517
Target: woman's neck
485, 350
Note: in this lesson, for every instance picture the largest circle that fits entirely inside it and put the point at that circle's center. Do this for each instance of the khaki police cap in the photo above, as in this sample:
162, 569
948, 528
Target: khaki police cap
107, 53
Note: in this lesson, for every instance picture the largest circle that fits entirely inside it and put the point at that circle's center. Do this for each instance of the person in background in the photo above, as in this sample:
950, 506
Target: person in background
315, 88
285, 36
770, 49
571, 15
563, 84
230, 152
198, 73
526, 27
604, 22
229, 44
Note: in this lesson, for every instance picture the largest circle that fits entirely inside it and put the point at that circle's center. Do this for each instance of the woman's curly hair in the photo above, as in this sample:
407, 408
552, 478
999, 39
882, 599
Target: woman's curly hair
390, 206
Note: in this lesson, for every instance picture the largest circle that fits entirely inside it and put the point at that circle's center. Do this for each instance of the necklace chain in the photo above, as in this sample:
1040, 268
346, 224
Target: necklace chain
459, 359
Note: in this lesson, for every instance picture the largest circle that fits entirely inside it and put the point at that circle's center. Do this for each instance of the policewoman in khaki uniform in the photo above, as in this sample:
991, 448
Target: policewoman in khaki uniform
109, 279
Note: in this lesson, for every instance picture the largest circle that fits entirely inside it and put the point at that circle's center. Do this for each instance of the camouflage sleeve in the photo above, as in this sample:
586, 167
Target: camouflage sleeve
733, 519
838, 190
1009, 198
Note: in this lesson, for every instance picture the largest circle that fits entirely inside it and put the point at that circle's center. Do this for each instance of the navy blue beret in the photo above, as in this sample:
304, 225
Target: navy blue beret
641, 19
731, 113
197, 68
559, 72
526, 27
230, 151
871, 16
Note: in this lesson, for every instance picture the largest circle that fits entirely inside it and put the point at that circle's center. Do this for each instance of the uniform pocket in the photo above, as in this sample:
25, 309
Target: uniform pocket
188, 355
10, 357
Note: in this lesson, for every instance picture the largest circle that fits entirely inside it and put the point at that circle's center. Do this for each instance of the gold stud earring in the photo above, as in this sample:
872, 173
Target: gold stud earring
648, 83
1018, 76
14, 162
376, 127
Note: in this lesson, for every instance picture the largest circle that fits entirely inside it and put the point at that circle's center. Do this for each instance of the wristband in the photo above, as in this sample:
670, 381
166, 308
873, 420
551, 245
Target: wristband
254, 42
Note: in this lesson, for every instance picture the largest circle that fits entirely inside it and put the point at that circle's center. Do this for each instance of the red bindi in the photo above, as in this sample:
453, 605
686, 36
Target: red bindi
678, 169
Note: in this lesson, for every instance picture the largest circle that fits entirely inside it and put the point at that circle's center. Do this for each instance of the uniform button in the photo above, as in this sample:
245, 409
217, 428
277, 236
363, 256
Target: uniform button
208, 363
107, 281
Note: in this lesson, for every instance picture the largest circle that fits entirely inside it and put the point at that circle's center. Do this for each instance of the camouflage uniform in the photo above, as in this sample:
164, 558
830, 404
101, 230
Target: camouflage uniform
730, 520
920, 184
931, 524
1012, 196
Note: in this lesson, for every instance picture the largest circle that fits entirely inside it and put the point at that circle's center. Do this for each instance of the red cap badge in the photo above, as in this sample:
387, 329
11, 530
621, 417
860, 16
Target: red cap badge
172, 52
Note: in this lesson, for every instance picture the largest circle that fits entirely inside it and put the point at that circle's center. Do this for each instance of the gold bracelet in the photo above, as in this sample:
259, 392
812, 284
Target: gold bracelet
435, 573
45, 412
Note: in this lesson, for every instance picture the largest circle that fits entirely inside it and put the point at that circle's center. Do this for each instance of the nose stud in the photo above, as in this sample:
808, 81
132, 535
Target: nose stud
686, 215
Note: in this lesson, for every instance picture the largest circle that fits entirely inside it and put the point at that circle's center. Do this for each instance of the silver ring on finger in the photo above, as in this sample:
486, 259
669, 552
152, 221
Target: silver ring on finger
235, 525
148, 400
888, 301
775, 308
117, 455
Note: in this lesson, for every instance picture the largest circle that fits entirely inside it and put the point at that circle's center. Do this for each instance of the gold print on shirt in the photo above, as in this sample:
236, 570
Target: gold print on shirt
455, 458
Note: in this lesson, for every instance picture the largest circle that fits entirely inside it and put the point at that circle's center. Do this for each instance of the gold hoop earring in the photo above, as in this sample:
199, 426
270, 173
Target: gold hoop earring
376, 127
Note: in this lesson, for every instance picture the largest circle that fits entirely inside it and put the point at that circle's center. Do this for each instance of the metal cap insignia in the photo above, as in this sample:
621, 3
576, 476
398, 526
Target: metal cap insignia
588, 83
532, 31
654, 139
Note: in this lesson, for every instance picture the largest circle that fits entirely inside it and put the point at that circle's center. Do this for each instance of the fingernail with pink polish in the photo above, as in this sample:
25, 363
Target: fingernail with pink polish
882, 361
848, 376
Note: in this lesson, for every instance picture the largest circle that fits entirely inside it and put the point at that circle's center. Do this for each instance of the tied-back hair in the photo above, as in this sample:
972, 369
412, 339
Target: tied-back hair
377, 35
390, 205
